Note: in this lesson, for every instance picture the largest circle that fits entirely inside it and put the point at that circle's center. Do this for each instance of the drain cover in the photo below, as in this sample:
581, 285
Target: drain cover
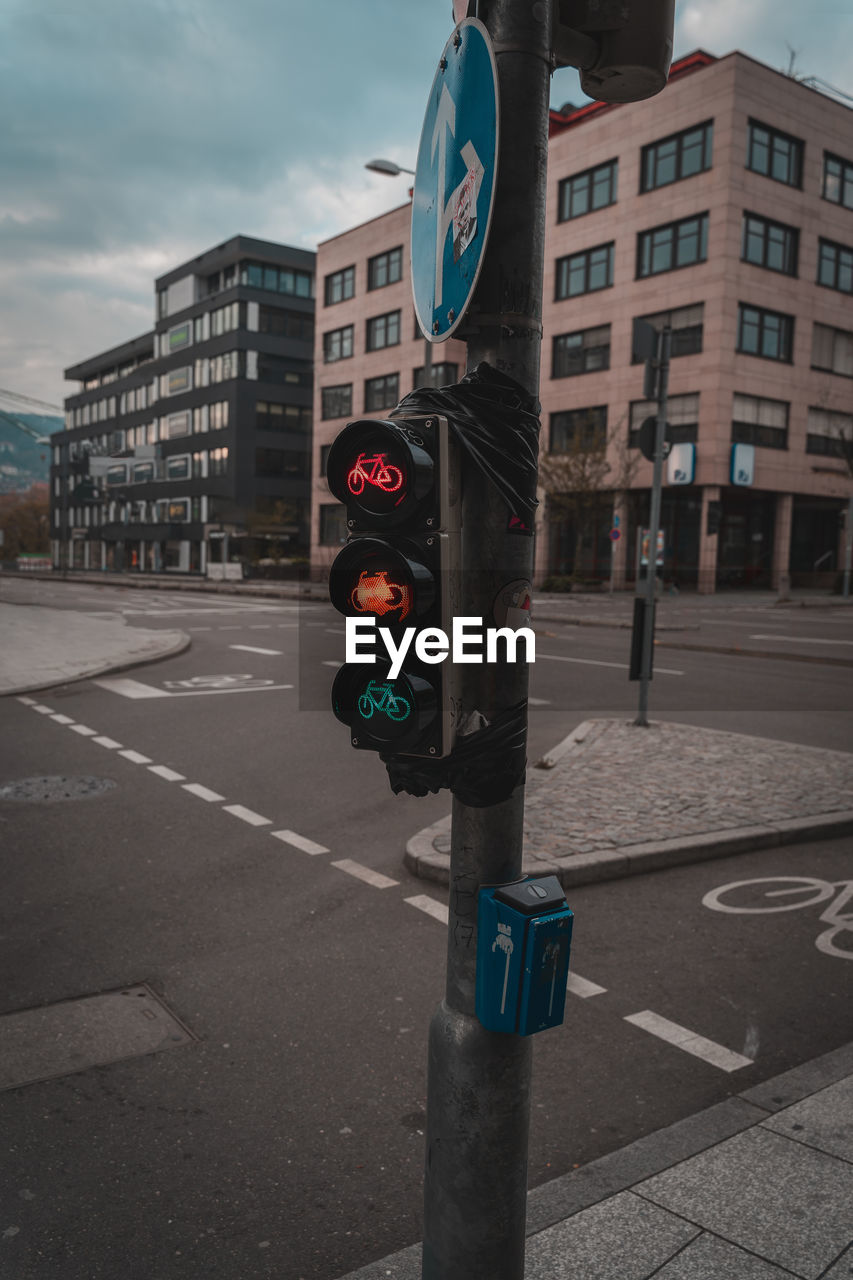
41, 790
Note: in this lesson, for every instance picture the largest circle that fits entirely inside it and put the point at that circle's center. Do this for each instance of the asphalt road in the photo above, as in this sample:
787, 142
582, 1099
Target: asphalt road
285, 1140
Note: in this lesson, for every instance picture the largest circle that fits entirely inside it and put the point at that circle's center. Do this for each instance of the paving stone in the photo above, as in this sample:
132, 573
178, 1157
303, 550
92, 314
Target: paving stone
824, 1121
707, 1258
843, 1268
776, 1198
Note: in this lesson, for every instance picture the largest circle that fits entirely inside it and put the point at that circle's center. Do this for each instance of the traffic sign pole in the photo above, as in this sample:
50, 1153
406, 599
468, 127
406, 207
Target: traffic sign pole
478, 1103
664, 345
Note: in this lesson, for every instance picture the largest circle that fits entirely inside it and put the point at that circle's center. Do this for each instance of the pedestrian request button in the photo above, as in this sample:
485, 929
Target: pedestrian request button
524, 934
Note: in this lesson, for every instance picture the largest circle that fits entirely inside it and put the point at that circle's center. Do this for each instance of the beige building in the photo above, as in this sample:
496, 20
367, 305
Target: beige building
722, 207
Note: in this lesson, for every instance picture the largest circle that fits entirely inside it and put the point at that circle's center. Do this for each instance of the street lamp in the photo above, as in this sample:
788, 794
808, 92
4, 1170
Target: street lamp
393, 170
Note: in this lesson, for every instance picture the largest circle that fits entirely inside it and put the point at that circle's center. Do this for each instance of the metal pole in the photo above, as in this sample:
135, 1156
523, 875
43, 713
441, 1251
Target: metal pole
848, 547
664, 341
478, 1093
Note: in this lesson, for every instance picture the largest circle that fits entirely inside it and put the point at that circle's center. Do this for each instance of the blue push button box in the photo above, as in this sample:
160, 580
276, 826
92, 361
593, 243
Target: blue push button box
524, 935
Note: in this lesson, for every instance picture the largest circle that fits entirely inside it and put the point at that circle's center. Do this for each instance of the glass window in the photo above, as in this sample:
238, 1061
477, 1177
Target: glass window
770, 244
686, 324
117, 474
381, 393
385, 268
577, 428
585, 192
838, 180
180, 335
764, 333
674, 245
835, 266
442, 374
336, 402
682, 415
286, 324
759, 421
218, 462
775, 154
383, 331
681, 155
830, 433
178, 468
832, 350
280, 462
337, 344
585, 351
333, 524
585, 272
143, 472
340, 285
178, 424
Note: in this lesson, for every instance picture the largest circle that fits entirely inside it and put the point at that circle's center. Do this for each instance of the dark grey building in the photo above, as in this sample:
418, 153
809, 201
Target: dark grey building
190, 446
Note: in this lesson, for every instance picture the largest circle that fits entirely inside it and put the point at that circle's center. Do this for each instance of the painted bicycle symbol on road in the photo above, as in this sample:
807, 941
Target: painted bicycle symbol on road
762, 896
201, 683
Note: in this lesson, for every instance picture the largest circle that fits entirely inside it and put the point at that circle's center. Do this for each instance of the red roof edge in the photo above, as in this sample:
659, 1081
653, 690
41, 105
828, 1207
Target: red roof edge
558, 123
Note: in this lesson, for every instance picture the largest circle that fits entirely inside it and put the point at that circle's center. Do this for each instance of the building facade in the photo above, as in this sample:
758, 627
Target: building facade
722, 208
188, 449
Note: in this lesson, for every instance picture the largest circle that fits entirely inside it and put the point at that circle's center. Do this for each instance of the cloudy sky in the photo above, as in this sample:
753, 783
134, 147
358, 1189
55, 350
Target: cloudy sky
136, 133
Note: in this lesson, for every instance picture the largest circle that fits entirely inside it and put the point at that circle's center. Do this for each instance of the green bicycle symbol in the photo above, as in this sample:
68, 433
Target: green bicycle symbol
380, 696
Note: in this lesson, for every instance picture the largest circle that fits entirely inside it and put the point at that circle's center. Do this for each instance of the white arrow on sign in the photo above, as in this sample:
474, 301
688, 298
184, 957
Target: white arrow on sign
446, 117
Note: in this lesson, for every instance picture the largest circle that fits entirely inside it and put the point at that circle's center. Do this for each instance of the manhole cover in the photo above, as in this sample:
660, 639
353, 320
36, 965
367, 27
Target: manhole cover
48, 790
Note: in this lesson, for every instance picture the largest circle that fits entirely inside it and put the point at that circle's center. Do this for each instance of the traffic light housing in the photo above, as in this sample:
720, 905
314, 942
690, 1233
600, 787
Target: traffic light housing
399, 481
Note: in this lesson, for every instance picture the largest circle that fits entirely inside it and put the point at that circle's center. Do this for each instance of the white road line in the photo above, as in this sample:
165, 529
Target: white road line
83, 730
262, 626
28, 702
328, 663
803, 639
336, 631
539, 702
595, 662
583, 987
229, 628
299, 842
365, 873
708, 1050
131, 688
109, 743
163, 771
199, 628
250, 648
42, 709
424, 903
203, 793
135, 757
61, 719
248, 815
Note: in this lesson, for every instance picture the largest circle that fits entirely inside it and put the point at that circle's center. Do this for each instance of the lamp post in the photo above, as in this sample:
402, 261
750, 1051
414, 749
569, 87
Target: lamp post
391, 169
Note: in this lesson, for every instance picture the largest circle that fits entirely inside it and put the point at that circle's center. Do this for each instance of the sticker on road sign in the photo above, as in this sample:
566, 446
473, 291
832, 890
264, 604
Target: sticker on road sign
615, 535
455, 181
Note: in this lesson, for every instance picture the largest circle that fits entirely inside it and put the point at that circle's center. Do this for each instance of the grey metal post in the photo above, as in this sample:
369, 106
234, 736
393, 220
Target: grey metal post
478, 1093
664, 343
848, 547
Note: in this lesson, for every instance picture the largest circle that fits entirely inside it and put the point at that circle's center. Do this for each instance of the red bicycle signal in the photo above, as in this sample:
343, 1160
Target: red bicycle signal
374, 470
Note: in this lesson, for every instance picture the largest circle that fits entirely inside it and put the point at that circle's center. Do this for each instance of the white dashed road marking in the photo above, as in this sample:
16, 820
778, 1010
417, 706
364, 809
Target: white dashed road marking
250, 648
83, 730
135, 757
61, 719
248, 815
802, 639
109, 743
437, 910
299, 842
672, 1033
203, 793
583, 987
43, 710
131, 688
163, 771
365, 873
28, 702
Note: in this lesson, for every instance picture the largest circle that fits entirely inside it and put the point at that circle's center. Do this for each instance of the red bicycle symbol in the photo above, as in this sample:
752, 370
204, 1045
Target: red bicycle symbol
376, 470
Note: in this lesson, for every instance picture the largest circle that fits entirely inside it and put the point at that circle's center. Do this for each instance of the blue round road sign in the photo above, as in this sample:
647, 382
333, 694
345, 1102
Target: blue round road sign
455, 180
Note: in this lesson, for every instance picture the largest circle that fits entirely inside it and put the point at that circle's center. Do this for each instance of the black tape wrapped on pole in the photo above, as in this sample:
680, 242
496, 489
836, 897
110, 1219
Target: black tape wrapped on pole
495, 422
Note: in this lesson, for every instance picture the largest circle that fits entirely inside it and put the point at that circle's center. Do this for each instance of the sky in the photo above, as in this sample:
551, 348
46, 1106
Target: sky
134, 134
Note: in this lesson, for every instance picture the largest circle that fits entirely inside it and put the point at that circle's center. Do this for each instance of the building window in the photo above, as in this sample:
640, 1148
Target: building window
117, 475
333, 524
835, 266
770, 244
225, 319
180, 335
385, 268
674, 245
178, 468
381, 393
681, 155
337, 344
830, 433
774, 154
832, 350
837, 180
176, 381
218, 462
764, 333
760, 422
325, 449
340, 285
271, 416
285, 324
585, 272
578, 429
143, 472
682, 415
336, 402
299, 284
585, 192
383, 331
295, 373
441, 375
280, 462
686, 325
585, 351
177, 424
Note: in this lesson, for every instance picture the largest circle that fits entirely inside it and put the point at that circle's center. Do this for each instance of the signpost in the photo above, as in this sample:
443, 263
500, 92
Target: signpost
455, 181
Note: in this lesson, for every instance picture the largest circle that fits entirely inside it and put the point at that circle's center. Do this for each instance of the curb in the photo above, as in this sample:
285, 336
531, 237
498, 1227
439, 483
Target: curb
180, 645
563, 1197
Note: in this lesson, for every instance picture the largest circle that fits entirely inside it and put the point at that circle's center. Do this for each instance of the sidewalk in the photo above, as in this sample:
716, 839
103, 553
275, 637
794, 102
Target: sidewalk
759, 1187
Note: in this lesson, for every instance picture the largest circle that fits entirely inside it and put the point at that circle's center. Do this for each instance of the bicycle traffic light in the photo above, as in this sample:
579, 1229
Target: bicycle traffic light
397, 576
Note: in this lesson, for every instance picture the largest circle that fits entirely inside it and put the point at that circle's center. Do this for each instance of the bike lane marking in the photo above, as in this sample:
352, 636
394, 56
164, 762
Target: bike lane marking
583, 988
163, 771
430, 907
682, 1038
203, 793
247, 815
250, 648
374, 878
299, 842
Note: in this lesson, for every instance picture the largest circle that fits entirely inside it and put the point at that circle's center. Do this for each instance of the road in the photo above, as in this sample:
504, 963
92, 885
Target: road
285, 1140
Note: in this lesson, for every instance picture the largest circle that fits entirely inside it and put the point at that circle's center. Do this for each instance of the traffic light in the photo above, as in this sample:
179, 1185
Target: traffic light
399, 481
